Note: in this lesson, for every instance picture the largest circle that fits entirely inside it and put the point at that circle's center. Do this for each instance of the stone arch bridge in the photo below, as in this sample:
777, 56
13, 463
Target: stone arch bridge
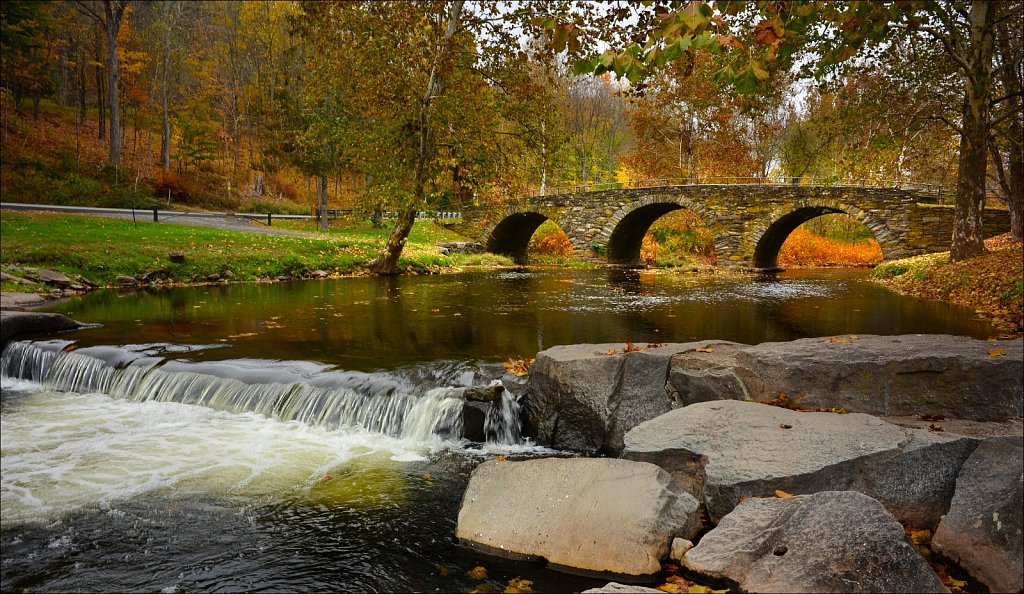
749, 221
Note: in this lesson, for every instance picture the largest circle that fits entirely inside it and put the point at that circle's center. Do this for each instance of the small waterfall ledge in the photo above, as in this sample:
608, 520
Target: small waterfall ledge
378, 402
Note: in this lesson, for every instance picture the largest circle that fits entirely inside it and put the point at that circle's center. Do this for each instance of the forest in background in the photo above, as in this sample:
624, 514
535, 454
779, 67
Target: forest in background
397, 106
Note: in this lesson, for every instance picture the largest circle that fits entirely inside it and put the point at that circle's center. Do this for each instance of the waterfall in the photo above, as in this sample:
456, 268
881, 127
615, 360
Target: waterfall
373, 402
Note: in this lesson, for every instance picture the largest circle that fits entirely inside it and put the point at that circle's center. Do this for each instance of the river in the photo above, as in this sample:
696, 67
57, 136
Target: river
300, 436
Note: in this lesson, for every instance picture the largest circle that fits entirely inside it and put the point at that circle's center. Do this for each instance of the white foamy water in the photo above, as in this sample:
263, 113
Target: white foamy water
66, 451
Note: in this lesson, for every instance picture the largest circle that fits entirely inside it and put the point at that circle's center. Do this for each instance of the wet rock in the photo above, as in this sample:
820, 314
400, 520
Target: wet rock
583, 398
126, 281
983, 529
834, 541
571, 512
723, 451
213, 278
483, 393
617, 588
54, 279
20, 301
14, 279
318, 274
474, 418
17, 323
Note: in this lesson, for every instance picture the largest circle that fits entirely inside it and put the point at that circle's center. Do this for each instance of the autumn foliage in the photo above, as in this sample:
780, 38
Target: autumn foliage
804, 248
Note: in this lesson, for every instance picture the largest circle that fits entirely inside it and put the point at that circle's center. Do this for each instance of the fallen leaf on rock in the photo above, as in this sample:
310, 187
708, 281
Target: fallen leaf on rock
630, 347
518, 367
706, 349
934, 427
785, 426
518, 586
477, 573
670, 587
997, 353
780, 494
842, 339
932, 417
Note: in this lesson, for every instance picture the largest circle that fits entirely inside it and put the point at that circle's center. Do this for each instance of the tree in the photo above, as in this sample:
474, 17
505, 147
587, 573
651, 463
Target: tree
108, 15
828, 35
418, 93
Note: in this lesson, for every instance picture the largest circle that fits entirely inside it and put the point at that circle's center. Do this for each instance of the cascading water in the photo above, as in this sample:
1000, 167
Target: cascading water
381, 403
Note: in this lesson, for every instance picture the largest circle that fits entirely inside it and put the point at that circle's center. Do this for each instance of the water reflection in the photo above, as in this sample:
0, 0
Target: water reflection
374, 323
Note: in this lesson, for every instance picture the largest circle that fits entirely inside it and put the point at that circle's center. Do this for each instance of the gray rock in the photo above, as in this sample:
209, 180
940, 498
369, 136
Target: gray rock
617, 588
679, 548
983, 529
834, 541
52, 278
711, 373
723, 451
14, 279
584, 399
19, 301
16, 323
474, 418
460, 247
573, 513
126, 281
891, 375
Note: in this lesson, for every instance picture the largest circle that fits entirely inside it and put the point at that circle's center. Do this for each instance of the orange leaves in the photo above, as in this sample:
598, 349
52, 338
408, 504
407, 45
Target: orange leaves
477, 573
842, 339
519, 366
997, 353
780, 494
632, 348
803, 248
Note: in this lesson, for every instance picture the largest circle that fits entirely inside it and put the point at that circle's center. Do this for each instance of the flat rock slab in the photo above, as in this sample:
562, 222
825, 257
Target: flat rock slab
15, 323
983, 529
583, 515
617, 588
723, 451
18, 301
911, 374
835, 541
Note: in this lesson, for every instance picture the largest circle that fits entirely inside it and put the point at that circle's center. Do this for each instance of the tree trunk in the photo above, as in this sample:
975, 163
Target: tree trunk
968, 231
387, 262
113, 12
100, 101
165, 138
1015, 197
321, 199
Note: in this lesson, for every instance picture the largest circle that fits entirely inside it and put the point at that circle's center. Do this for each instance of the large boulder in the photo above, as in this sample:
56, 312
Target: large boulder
583, 515
585, 397
954, 376
17, 323
834, 541
723, 451
983, 529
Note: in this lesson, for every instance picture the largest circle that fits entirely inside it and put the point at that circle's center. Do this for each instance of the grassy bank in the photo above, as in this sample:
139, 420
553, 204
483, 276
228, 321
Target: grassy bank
991, 284
98, 250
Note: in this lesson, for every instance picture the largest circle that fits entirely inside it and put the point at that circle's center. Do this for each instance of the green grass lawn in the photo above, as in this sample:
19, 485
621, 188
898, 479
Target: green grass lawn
100, 249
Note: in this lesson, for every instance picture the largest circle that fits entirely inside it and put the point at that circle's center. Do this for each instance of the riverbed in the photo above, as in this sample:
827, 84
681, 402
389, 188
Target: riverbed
294, 437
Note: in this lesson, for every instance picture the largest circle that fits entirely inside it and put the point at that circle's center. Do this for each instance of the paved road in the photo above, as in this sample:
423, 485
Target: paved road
220, 220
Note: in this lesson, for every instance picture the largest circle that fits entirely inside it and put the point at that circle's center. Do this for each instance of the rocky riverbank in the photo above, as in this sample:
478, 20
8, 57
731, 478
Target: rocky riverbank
811, 462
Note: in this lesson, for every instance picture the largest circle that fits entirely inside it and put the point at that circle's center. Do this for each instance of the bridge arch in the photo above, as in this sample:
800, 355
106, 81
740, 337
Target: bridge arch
511, 236
768, 240
628, 225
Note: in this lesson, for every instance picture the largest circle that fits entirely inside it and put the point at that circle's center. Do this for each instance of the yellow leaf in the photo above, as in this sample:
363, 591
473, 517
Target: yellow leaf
477, 573
669, 587
518, 586
699, 589
997, 353
706, 350
782, 494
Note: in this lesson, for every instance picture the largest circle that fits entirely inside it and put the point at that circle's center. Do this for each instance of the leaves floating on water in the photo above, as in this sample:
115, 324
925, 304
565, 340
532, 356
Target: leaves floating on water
518, 367
518, 586
477, 573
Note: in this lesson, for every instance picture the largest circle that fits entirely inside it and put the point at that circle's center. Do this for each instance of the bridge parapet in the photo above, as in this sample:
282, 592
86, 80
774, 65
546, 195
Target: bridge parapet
749, 221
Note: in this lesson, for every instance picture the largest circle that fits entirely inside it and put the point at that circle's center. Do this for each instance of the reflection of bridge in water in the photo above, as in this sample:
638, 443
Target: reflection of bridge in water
749, 218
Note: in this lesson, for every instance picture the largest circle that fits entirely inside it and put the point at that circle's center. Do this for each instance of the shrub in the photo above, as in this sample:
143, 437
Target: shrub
549, 240
179, 187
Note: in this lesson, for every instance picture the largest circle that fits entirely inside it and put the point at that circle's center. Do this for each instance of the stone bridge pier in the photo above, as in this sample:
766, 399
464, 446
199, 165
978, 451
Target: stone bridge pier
749, 222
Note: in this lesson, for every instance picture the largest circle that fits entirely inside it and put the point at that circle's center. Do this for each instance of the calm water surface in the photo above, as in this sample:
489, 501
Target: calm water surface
286, 437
